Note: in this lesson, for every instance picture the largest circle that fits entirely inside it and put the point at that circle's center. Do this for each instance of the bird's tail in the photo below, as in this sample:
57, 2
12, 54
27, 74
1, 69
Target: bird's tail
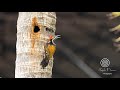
44, 62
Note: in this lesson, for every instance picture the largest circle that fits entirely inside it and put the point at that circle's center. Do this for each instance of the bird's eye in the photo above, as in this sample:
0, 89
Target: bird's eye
52, 30
49, 30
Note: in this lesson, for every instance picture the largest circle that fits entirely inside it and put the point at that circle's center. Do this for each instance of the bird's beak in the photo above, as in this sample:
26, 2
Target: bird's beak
56, 37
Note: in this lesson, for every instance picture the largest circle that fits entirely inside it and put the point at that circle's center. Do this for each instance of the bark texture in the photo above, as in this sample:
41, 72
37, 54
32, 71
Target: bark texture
33, 29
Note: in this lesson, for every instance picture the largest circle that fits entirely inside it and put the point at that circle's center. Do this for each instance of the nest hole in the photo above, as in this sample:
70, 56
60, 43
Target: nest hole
36, 29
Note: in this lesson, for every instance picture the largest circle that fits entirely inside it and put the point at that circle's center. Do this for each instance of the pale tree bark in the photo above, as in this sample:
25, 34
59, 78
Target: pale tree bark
30, 44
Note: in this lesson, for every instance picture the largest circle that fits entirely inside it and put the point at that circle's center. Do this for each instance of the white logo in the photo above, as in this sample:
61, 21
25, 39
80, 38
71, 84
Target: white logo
106, 70
105, 62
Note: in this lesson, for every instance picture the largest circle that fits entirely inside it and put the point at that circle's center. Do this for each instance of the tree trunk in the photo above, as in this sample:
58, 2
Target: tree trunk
33, 29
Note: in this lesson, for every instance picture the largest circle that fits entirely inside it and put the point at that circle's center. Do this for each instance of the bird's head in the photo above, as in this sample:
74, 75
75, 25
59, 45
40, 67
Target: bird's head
53, 38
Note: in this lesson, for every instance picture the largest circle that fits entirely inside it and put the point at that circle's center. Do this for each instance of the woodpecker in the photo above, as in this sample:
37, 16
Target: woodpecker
50, 49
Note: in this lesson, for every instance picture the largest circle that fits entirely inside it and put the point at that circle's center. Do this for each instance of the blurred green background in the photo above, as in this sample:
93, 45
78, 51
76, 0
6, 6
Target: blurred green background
85, 39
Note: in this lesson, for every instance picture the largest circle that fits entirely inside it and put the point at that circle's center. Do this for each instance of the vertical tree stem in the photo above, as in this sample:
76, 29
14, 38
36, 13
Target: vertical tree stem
30, 44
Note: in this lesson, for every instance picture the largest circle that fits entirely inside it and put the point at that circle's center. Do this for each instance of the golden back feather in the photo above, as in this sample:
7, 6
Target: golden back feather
51, 50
